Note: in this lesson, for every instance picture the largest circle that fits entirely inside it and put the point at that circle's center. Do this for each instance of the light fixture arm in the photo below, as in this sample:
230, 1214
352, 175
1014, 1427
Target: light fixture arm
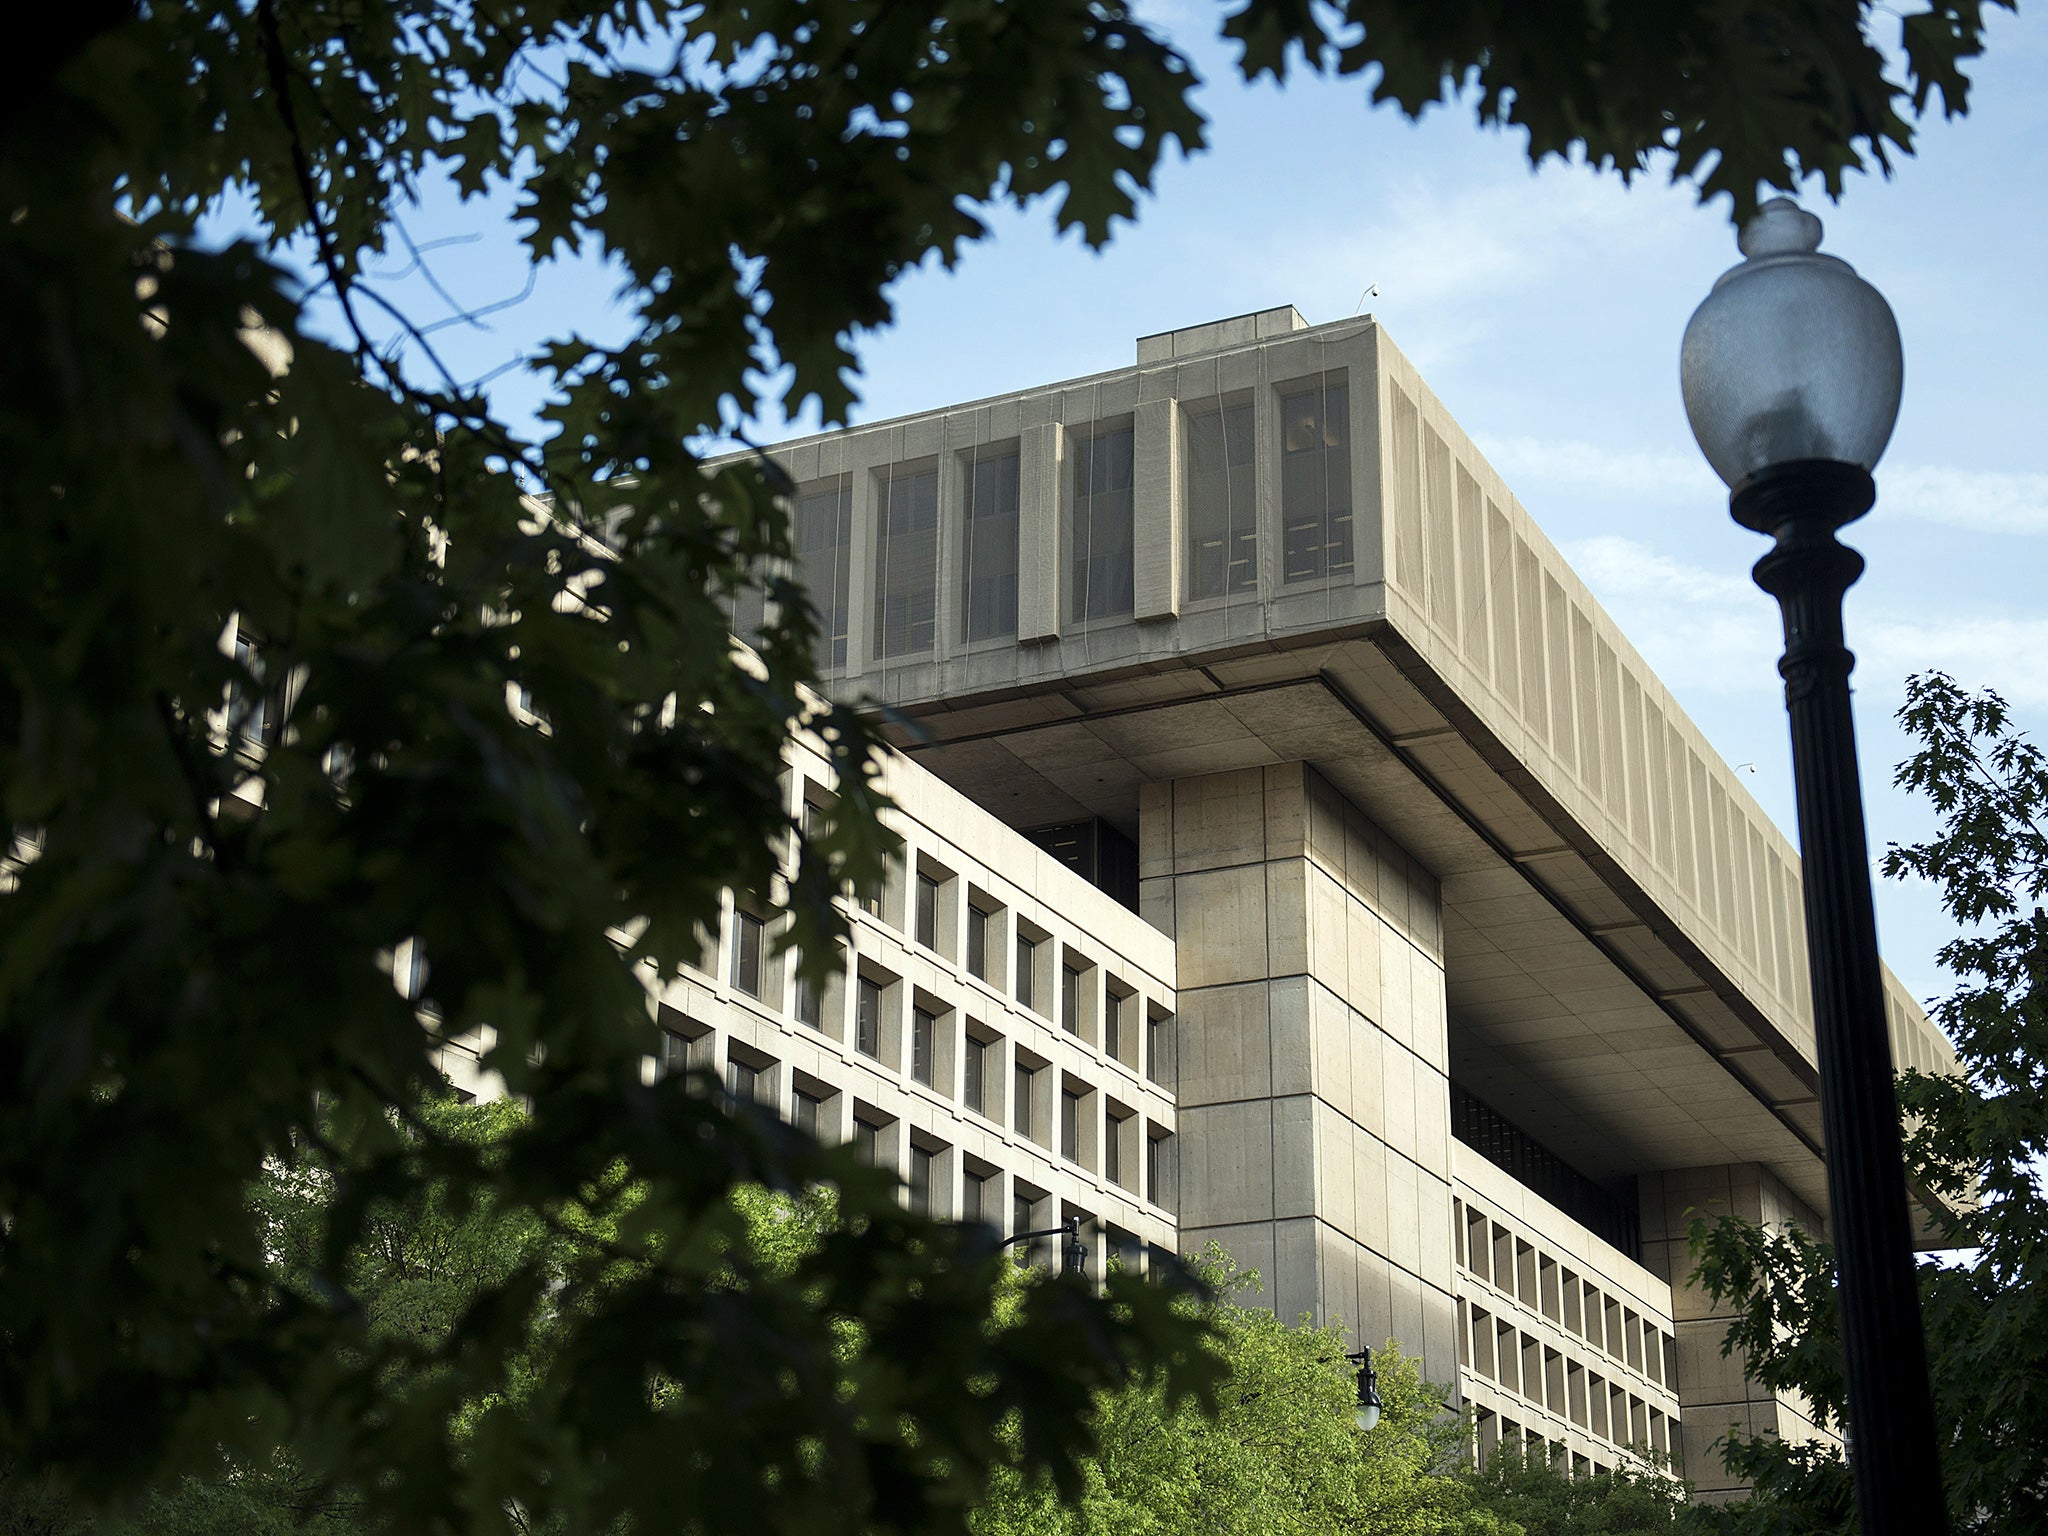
1073, 1252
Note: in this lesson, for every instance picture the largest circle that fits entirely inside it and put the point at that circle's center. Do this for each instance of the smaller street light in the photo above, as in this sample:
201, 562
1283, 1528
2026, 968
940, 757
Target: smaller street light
1073, 1251
1368, 1390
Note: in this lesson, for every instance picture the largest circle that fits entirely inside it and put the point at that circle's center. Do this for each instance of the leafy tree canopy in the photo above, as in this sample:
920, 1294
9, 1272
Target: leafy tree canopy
219, 849
1974, 1141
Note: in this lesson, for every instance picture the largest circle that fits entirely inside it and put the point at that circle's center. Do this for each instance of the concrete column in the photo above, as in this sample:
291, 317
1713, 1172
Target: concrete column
1314, 1121
1041, 452
1157, 508
1713, 1393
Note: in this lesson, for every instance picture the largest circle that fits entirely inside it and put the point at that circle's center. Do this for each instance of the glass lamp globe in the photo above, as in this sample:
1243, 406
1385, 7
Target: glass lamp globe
1792, 356
1368, 1410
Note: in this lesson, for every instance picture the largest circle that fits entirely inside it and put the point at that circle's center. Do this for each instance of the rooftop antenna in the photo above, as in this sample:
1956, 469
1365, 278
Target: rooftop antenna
1372, 291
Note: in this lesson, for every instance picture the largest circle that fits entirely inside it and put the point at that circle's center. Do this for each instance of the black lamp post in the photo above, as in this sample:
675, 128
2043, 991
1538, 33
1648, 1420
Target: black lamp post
1368, 1410
1073, 1252
1791, 372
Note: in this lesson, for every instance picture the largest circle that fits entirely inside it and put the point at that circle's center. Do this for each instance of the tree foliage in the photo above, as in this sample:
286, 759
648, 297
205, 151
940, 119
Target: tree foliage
1635, 1499
185, 457
1975, 1142
1281, 1454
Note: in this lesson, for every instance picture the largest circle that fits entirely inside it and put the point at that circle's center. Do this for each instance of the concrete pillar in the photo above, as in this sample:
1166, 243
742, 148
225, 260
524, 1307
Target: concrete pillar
1314, 1114
1157, 508
1713, 1393
1041, 455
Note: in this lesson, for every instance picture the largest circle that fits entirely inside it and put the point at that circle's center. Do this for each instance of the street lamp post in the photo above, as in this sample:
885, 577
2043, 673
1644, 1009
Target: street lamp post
1073, 1251
1368, 1409
1791, 371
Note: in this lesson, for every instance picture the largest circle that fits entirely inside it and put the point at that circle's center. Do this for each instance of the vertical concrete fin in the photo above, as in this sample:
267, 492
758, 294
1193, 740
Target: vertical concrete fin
1158, 510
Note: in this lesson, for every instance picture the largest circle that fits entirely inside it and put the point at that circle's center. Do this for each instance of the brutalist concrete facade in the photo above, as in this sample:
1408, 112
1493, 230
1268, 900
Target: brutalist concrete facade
1484, 969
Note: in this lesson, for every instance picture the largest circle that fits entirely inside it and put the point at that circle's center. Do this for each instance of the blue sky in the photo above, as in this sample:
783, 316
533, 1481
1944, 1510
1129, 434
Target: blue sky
1545, 309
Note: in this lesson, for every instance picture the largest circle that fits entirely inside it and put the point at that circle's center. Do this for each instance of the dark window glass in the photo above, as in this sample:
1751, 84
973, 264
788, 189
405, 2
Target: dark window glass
972, 1067
920, 1181
974, 1198
742, 1082
867, 1141
1020, 1217
988, 575
1158, 1044
810, 1002
1026, 953
1070, 1125
867, 1019
922, 1027
1223, 516
1100, 573
977, 943
1315, 483
1155, 1172
927, 911
746, 953
1020, 1110
810, 1113
1112, 1025
1113, 1150
906, 562
1070, 999
824, 561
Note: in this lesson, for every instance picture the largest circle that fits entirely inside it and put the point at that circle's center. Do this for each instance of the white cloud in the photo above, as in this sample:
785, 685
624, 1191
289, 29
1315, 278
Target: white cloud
1998, 651
1985, 501
1582, 466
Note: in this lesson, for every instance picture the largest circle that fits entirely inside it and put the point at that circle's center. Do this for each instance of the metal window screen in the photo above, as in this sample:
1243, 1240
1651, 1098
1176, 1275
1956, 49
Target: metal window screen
1222, 503
906, 563
988, 578
1315, 483
1101, 575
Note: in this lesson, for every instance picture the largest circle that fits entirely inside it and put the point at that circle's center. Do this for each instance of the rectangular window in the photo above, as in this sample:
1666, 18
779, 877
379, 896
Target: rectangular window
1223, 526
988, 573
1020, 1111
1100, 573
867, 1142
810, 1002
810, 1114
1158, 1046
746, 953
920, 1181
742, 1082
1112, 1026
1070, 999
1113, 1149
1027, 952
1155, 1172
867, 1019
975, 1197
1315, 483
971, 1078
927, 911
906, 562
977, 943
824, 561
1070, 1125
922, 1027
1020, 1218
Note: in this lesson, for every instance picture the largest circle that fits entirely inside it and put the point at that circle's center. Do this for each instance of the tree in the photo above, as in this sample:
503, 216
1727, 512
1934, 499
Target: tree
1536, 1494
1974, 1143
1280, 1454
275, 586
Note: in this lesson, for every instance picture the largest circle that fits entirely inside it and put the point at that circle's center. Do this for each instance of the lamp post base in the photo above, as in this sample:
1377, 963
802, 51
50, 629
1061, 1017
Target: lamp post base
1893, 1455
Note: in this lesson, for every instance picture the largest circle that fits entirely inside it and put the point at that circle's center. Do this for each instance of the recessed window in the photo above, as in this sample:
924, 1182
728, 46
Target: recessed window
906, 562
927, 911
867, 1018
923, 1026
973, 1070
867, 1142
977, 1200
977, 943
1100, 571
747, 934
1070, 999
742, 1081
1113, 1147
824, 561
810, 1001
1070, 1125
921, 1161
1113, 1025
1315, 483
988, 559
1020, 1109
809, 1113
1027, 956
1222, 503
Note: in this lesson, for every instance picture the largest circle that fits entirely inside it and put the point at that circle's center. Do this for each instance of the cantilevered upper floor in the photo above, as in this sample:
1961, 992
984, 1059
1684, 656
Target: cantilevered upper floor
1269, 542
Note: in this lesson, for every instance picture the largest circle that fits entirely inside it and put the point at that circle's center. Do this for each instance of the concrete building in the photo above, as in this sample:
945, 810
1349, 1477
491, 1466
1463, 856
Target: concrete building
1296, 856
